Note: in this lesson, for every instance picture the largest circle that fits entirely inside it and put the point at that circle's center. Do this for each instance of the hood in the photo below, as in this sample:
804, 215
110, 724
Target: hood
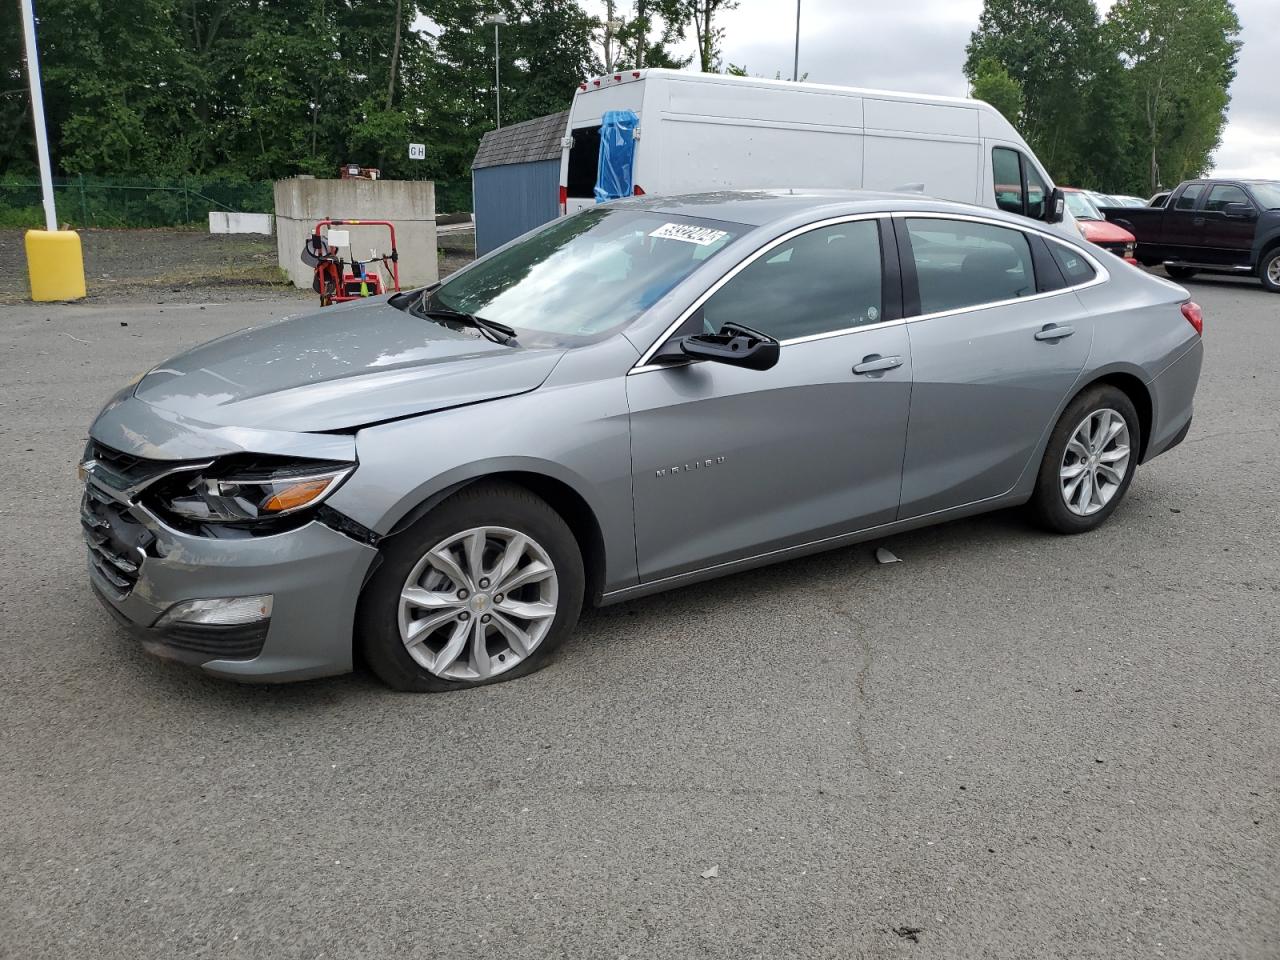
1104, 231
342, 367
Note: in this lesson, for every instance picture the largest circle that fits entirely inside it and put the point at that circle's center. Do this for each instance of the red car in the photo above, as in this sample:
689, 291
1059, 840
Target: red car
1096, 228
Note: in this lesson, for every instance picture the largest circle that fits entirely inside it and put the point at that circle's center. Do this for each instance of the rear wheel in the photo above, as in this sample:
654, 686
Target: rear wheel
1179, 273
1270, 270
481, 589
1089, 463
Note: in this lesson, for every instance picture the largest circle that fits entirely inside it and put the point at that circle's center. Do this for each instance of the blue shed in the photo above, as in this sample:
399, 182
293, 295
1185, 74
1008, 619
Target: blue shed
515, 179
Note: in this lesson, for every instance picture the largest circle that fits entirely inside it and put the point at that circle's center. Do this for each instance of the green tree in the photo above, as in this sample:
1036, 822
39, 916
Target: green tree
992, 83
700, 17
1180, 59
1053, 50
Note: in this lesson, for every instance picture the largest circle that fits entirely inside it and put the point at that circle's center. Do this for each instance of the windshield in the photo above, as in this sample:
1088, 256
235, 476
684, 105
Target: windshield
1082, 207
585, 275
1267, 194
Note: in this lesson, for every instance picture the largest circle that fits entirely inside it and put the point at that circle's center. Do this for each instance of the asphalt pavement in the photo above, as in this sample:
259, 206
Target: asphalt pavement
1008, 745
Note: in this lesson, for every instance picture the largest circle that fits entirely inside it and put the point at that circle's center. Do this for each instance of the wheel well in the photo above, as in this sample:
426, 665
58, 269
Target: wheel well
562, 498
1139, 396
1269, 249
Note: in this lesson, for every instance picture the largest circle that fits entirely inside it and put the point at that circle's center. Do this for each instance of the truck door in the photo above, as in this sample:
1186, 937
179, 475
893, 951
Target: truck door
1226, 235
1181, 235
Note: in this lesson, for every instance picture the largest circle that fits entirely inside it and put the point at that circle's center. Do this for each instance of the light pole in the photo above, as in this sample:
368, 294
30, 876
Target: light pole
795, 69
497, 20
37, 114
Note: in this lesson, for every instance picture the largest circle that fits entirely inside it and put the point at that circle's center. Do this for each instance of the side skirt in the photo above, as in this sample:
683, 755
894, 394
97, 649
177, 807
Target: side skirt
1012, 499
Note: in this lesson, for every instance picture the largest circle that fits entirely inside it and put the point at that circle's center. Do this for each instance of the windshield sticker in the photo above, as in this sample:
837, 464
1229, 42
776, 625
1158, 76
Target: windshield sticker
702, 236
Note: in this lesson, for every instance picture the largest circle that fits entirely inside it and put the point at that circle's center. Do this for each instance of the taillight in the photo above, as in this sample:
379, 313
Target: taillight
1195, 316
637, 191
564, 199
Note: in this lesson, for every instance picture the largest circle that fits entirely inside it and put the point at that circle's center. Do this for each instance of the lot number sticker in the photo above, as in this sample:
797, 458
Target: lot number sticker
702, 236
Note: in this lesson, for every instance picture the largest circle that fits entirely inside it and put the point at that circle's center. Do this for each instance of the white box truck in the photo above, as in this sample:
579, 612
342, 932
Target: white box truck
700, 132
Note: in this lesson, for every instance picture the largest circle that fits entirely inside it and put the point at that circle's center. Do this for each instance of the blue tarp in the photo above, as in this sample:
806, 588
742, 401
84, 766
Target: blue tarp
617, 153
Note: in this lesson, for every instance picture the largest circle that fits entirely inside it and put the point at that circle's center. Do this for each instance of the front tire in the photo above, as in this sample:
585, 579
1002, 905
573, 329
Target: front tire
1269, 271
482, 589
1089, 462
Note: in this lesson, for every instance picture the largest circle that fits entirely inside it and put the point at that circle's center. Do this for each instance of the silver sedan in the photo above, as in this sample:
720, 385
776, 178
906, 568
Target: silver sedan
646, 394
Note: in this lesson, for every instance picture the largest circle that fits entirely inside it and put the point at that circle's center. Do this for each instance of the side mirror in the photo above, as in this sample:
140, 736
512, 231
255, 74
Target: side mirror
1238, 211
1057, 208
735, 345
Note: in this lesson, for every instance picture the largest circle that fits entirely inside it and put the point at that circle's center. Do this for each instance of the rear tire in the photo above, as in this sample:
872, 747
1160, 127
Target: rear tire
1269, 271
1096, 441
482, 589
1179, 273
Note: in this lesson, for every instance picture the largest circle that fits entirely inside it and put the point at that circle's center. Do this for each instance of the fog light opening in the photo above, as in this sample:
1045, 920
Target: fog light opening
220, 612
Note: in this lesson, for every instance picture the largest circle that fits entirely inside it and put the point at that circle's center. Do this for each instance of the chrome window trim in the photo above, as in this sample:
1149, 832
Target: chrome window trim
1101, 275
644, 366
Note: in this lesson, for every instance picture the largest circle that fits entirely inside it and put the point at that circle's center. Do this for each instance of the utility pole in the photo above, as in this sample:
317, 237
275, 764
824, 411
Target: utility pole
611, 25
795, 69
498, 20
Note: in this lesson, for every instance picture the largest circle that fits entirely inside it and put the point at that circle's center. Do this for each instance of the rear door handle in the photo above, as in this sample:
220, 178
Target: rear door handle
874, 363
1052, 331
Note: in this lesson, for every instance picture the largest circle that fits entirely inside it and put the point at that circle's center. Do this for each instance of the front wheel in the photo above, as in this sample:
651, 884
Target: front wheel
1089, 462
1269, 271
481, 589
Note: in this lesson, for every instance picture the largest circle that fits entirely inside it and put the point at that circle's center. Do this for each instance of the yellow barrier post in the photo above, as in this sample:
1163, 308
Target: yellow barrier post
55, 263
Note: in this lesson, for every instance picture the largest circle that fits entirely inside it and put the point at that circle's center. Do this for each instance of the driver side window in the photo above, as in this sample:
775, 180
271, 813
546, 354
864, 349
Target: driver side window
818, 282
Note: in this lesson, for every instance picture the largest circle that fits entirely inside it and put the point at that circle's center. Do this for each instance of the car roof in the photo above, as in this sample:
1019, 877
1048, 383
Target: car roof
760, 208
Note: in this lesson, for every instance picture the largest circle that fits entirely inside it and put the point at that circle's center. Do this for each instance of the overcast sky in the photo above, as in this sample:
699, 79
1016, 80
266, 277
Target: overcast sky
918, 46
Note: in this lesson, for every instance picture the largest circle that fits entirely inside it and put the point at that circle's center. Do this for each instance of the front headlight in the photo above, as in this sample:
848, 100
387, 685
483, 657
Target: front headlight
238, 494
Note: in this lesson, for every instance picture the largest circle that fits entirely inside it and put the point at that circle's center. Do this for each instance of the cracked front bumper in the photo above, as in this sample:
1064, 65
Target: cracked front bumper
313, 573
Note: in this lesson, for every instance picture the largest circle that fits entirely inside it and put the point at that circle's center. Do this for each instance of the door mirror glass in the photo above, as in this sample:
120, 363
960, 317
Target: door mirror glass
735, 345
1237, 211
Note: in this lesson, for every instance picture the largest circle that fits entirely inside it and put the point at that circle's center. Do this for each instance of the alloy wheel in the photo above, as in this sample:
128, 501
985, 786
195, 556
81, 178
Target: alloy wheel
478, 603
1095, 462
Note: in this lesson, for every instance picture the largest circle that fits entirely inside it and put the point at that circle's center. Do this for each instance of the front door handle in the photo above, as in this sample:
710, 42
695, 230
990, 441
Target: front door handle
1053, 331
1197, 221
874, 363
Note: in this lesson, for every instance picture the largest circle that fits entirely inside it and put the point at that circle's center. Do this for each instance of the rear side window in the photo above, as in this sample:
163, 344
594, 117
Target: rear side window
1075, 268
824, 280
964, 264
1187, 199
584, 163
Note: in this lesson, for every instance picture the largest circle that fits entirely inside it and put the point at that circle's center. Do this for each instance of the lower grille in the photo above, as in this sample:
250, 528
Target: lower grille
224, 643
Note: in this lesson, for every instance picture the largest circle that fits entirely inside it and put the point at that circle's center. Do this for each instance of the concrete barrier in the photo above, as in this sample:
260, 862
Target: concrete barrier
409, 204
224, 221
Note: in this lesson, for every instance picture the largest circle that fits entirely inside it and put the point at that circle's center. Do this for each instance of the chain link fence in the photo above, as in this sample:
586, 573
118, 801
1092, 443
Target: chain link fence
116, 202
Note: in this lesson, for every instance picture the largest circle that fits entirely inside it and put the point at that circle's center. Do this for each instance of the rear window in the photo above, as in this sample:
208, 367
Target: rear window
584, 162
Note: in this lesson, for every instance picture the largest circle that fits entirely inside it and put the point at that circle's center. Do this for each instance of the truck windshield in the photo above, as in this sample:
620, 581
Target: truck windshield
1266, 193
1081, 207
586, 275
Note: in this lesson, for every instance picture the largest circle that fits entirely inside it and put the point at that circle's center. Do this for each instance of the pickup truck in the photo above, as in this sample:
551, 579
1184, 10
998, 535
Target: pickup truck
1218, 226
